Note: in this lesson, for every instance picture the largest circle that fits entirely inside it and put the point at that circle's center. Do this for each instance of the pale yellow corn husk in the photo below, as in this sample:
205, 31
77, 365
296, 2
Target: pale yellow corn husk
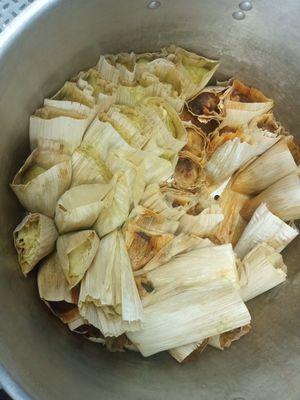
282, 199
233, 224
179, 197
195, 71
76, 252
188, 173
116, 204
204, 224
197, 143
245, 103
117, 73
217, 190
268, 123
70, 92
212, 262
79, 207
34, 239
41, 191
274, 164
225, 339
109, 286
181, 243
182, 353
64, 126
261, 270
154, 200
204, 309
265, 227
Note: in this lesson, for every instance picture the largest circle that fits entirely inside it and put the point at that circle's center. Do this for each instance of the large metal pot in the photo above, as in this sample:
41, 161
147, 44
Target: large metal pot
54, 39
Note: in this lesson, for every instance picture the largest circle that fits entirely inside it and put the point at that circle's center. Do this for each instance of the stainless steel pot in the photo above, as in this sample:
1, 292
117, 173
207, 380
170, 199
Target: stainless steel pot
53, 40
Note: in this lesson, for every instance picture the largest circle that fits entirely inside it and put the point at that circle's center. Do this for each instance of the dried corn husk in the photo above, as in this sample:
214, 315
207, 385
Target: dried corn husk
108, 297
233, 224
183, 314
44, 177
154, 200
276, 163
70, 92
195, 71
186, 352
203, 224
282, 199
64, 126
267, 122
225, 339
265, 227
79, 207
245, 103
34, 239
117, 73
76, 252
54, 291
181, 243
178, 197
116, 204
188, 172
197, 143
261, 270
212, 262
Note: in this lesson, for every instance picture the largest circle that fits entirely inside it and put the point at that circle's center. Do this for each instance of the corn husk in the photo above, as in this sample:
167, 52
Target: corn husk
197, 143
203, 224
154, 200
209, 102
261, 270
276, 163
109, 298
183, 314
268, 123
179, 197
195, 71
169, 135
64, 126
233, 224
217, 190
225, 339
130, 123
54, 291
245, 103
180, 244
70, 92
282, 199
188, 174
116, 205
34, 239
76, 252
265, 227
115, 74
47, 168
212, 262
79, 207
186, 352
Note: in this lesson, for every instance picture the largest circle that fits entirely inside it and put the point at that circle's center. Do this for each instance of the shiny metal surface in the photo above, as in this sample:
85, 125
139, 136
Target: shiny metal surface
55, 39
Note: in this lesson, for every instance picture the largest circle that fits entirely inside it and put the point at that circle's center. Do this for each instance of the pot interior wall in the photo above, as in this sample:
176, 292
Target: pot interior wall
63, 37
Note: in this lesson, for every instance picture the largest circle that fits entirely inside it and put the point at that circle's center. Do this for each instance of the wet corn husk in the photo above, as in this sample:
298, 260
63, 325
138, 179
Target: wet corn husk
48, 169
114, 72
183, 314
203, 224
188, 173
265, 227
276, 163
225, 339
261, 270
268, 123
70, 92
233, 224
187, 352
79, 207
197, 143
108, 296
195, 71
54, 291
76, 252
245, 103
282, 199
66, 126
34, 239
116, 204
154, 199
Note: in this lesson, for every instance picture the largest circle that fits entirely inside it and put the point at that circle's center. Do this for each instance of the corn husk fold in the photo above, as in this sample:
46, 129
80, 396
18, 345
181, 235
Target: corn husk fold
261, 270
34, 238
265, 227
225, 339
184, 353
79, 207
76, 252
203, 224
44, 177
108, 297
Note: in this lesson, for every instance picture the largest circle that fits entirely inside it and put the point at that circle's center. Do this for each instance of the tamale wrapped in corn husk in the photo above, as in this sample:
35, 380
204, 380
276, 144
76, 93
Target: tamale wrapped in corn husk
225, 339
188, 173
